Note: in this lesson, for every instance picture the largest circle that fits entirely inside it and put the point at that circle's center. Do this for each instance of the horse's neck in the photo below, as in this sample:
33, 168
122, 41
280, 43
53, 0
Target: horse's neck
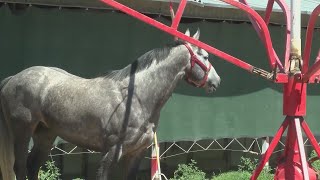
155, 85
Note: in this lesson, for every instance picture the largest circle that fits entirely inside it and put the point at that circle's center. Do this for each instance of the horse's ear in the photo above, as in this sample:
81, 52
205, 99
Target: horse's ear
187, 33
197, 35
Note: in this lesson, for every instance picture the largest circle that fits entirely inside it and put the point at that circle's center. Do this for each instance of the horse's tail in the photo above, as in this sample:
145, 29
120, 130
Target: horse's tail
6, 144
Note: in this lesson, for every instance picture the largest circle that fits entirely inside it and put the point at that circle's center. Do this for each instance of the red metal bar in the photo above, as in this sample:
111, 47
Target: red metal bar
268, 11
293, 164
254, 23
172, 17
301, 148
313, 70
286, 11
283, 5
311, 137
315, 78
258, 30
291, 153
273, 144
308, 42
264, 29
180, 10
174, 32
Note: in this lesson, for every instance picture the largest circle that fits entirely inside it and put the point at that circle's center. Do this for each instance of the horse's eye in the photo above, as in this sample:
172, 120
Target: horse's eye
206, 57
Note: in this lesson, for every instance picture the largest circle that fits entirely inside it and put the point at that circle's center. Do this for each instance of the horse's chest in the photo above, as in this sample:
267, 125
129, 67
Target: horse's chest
140, 137
148, 134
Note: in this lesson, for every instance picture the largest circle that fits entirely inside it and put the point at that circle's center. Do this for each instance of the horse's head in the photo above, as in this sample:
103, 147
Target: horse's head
200, 72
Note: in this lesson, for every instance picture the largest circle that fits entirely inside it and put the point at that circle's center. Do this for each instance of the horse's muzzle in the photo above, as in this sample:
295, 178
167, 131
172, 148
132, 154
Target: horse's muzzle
212, 86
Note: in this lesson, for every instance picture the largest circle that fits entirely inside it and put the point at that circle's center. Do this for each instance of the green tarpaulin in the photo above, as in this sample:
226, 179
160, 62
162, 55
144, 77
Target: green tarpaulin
89, 43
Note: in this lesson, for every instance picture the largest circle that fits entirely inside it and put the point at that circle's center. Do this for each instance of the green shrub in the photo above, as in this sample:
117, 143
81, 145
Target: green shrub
245, 169
233, 175
246, 164
50, 172
189, 172
266, 174
315, 164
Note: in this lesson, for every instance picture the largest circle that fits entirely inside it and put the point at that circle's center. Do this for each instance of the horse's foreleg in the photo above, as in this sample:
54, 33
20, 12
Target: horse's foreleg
132, 162
109, 160
43, 139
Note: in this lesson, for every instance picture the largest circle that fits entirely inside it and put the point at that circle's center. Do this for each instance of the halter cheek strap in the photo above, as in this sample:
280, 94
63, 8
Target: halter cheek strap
194, 60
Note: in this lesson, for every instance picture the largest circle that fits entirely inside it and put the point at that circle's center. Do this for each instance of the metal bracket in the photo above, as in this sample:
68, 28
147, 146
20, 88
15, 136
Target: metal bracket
263, 73
295, 64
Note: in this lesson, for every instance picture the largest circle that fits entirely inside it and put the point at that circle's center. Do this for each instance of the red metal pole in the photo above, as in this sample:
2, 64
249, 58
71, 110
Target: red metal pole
315, 78
308, 43
273, 144
268, 11
301, 148
286, 170
310, 136
313, 70
178, 16
293, 164
283, 5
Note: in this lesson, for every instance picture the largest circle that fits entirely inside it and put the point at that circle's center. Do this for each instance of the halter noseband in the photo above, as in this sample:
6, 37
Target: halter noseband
194, 60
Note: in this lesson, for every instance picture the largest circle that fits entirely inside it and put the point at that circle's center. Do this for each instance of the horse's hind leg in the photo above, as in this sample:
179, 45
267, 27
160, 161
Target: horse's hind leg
22, 138
43, 139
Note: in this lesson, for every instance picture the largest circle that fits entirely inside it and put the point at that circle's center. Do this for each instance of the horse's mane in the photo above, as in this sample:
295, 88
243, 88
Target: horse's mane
143, 62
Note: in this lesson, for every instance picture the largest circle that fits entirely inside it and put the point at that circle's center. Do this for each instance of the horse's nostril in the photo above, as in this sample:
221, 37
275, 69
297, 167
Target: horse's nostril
215, 84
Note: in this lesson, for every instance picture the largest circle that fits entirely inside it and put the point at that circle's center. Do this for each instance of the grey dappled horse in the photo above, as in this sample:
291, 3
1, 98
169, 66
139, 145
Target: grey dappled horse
116, 114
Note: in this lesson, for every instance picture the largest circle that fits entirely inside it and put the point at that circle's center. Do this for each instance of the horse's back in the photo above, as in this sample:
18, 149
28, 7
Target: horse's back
34, 79
28, 87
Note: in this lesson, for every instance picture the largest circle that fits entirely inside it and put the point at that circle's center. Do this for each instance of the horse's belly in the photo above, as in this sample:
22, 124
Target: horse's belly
84, 143
83, 137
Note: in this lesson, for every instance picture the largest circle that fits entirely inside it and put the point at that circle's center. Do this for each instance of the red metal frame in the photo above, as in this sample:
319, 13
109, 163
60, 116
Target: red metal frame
283, 5
262, 25
294, 165
315, 78
268, 153
258, 30
291, 163
308, 43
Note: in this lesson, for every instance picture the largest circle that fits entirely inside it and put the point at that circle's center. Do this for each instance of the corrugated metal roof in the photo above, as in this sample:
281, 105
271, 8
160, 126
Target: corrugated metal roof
307, 5
213, 9
216, 9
